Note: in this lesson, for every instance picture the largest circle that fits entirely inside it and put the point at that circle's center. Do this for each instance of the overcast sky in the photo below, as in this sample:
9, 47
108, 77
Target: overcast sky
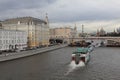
94, 14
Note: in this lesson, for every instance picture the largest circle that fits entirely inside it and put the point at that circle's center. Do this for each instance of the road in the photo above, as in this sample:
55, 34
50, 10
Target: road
56, 65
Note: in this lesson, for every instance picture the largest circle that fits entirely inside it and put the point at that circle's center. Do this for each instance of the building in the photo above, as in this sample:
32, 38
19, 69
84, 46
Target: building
63, 33
118, 30
12, 40
60, 32
100, 32
37, 29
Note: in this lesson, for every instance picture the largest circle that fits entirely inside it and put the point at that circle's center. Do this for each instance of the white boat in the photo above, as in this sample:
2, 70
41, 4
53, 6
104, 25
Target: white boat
82, 54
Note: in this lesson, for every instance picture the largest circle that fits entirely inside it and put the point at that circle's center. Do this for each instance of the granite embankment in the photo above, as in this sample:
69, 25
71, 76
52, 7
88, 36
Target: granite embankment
16, 55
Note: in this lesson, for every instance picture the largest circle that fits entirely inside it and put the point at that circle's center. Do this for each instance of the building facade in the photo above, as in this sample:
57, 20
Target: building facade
12, 40
37, 30
118, 30
100, 32
63, 33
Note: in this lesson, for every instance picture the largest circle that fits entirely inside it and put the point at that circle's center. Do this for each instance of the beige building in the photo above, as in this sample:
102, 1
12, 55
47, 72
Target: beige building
63, 33
100, 32
37, 30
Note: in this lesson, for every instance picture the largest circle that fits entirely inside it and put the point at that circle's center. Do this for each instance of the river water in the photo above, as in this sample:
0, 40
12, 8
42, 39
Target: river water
57, 65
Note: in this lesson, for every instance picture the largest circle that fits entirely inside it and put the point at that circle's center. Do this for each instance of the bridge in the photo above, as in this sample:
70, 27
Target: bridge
96, 39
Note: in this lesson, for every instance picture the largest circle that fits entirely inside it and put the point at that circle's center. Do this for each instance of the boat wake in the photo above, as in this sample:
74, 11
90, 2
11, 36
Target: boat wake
73, 66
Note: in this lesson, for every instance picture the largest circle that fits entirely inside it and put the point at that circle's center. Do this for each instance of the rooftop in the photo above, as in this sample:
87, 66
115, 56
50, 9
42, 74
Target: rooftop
81, 50
23, 20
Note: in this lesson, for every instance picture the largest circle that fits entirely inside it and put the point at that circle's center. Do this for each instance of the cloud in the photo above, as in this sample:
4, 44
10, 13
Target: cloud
14, 8
92, 13
62, 10
23, 4
74, 10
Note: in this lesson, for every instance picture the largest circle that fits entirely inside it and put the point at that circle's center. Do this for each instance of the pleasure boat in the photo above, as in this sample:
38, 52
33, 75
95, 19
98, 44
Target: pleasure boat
81, 54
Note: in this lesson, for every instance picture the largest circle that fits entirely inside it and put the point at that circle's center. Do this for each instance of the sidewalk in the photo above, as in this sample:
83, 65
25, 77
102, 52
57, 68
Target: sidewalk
16, 55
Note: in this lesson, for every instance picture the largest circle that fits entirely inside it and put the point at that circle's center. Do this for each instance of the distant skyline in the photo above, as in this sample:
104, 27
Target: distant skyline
92, 13
91, 26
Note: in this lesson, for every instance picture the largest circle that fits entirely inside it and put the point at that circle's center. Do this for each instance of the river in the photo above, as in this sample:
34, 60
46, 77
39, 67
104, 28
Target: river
56, 65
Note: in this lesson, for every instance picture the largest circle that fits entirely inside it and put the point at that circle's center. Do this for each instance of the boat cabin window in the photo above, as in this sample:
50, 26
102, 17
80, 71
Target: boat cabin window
76, 53
83, 53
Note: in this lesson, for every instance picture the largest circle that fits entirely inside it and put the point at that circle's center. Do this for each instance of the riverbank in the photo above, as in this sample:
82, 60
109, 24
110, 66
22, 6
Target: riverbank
16, 55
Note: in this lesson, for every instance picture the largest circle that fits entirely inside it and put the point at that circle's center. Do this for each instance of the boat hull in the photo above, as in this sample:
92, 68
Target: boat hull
84, 58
